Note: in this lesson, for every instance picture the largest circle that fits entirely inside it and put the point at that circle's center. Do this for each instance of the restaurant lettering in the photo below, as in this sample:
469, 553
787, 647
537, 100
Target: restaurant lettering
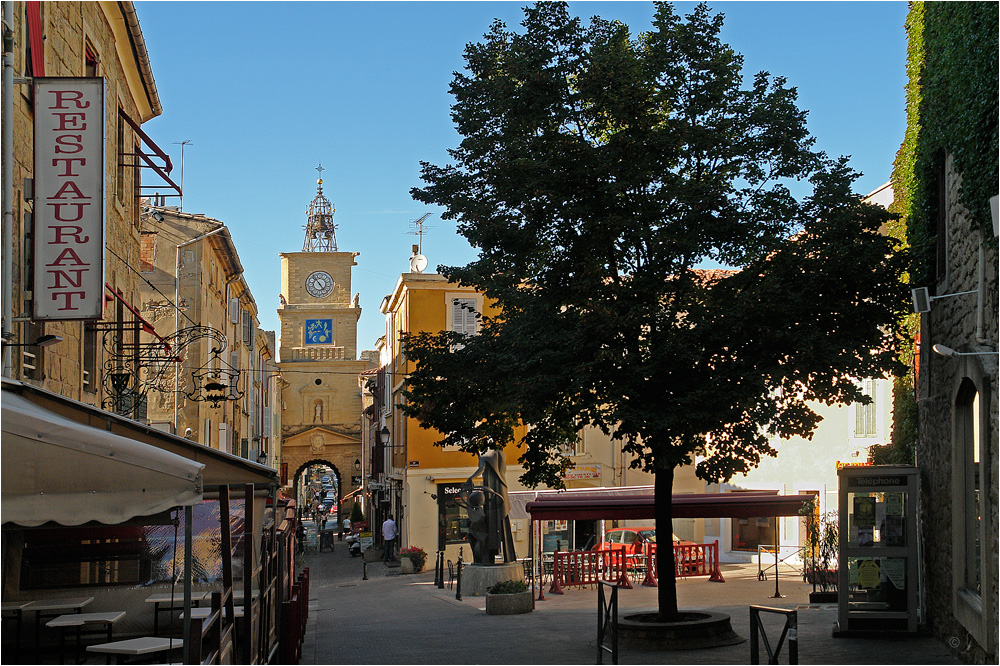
69, 198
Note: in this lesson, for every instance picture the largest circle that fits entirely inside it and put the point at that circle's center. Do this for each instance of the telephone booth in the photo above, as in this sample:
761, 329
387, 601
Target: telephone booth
878, 580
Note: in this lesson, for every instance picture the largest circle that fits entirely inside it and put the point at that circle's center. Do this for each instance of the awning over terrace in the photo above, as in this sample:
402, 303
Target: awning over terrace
564, 506
56, 469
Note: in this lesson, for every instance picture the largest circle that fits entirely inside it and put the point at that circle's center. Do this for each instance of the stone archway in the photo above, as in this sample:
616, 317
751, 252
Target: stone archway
322, 445
296, 477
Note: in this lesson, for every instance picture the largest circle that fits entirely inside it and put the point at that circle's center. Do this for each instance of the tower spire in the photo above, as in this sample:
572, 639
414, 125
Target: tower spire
321, 232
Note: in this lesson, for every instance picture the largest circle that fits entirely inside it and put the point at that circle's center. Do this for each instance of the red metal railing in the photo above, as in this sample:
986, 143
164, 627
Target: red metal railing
578, 568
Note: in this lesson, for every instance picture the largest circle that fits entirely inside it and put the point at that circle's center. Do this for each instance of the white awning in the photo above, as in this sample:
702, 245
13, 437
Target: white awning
55, 469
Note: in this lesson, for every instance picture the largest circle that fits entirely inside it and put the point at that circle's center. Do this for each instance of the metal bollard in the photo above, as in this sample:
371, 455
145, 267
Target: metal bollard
364, 567
458, 578
440, 580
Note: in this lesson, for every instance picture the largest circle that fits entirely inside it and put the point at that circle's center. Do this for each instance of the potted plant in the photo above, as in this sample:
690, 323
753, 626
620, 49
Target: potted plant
820, 560
412, 559
508, 597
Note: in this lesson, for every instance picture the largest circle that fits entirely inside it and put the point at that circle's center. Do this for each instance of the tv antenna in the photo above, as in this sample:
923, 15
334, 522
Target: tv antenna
185, 142
418, 230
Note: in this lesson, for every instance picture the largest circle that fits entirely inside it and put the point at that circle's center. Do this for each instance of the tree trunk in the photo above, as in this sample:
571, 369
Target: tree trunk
663, 510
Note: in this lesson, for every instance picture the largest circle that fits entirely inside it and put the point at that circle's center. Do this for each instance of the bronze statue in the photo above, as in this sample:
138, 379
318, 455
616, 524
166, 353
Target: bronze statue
489, 510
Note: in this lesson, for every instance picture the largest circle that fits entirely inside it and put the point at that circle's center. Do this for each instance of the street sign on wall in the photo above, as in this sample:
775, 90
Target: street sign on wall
69, 198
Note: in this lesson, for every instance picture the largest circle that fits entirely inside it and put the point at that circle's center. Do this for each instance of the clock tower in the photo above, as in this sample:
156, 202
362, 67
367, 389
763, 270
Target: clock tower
321, 416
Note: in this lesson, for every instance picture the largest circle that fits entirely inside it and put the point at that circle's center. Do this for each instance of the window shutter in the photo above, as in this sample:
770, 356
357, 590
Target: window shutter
463, 318
234, 310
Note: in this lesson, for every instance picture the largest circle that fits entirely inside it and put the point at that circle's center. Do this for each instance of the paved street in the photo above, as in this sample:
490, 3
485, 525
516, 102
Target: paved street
405, 619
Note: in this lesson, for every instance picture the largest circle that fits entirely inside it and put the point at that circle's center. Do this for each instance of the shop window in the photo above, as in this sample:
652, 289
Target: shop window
749, 533
453, 520
119, 555
556, 534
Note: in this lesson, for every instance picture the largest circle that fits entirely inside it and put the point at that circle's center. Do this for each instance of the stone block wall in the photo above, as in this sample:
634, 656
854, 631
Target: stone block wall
953, 322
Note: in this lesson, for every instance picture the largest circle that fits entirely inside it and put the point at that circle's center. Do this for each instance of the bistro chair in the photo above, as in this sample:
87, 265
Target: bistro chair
451, 574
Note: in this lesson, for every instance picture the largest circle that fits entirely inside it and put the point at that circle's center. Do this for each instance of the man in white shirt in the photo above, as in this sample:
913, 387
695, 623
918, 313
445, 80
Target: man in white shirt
388, 538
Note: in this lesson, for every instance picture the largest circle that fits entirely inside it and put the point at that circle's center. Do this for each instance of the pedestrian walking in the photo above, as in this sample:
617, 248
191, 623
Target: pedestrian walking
388, 538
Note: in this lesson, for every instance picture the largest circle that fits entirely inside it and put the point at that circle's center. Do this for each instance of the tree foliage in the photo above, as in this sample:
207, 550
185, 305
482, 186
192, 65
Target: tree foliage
597, 172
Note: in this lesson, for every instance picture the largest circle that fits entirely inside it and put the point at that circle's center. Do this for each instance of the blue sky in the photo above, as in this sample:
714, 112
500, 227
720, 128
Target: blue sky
265, 91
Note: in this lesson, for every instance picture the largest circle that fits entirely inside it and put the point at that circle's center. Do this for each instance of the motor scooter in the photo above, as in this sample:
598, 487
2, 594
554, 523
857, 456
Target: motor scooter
353, 544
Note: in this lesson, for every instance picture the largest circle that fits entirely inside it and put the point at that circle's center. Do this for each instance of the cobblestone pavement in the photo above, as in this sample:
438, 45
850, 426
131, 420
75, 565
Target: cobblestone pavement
405, 619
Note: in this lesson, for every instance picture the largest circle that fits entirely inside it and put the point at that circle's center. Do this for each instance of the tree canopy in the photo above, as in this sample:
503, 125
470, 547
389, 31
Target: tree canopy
598, 174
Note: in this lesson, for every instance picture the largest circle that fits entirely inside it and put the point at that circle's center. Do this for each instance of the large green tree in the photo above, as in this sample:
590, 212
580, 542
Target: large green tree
597, 172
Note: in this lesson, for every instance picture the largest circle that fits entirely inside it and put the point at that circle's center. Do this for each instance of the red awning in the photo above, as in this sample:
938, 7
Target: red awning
625, 507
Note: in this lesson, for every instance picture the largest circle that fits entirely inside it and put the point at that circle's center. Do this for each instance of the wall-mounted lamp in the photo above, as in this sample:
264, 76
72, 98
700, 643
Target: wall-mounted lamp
922, 298
43, 341
948, 351
262, 458
357, 465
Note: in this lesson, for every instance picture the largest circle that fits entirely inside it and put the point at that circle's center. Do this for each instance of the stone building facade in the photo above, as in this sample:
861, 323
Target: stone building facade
191, 260
70, 39
957, 450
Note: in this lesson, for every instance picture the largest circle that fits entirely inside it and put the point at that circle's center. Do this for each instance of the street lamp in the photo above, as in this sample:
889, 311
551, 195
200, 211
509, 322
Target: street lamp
43, 341
948, 351
357, 464
384, 435
262, 458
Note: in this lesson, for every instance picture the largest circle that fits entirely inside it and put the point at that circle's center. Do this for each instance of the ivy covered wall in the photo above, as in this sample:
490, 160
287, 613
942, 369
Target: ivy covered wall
951, 105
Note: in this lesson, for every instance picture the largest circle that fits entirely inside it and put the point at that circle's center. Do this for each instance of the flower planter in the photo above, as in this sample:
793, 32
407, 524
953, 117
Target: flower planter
408, 566
828, 597
508, 604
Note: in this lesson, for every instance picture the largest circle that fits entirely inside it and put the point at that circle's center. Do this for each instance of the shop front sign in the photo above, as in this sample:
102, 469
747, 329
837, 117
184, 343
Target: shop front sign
69, 211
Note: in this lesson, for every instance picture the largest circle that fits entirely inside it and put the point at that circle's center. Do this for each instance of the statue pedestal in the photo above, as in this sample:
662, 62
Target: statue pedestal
477, 577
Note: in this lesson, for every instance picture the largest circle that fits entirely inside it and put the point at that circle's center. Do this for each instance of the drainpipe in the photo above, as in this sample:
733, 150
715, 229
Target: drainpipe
8, 183
979, 298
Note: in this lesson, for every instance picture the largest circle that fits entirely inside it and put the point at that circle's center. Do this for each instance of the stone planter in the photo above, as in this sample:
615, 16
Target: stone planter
407, 566
508, 604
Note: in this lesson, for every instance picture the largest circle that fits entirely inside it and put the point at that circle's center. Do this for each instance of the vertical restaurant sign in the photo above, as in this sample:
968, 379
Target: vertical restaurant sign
69, 198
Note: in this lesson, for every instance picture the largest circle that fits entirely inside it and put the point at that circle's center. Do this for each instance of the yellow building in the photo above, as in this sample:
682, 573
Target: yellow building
321, 415
417, 481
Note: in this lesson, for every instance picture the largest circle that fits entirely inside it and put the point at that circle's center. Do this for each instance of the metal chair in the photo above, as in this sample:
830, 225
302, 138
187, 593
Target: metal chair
526, 566
451, 574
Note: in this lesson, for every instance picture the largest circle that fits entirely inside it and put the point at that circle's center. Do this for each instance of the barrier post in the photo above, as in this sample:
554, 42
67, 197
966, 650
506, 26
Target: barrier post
777, 594
607, 622
458, 576
789, 631
556, 587
716, 576
650, 580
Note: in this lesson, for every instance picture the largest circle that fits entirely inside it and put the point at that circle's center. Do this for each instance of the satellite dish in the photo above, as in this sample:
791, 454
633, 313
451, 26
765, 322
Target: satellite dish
418, 263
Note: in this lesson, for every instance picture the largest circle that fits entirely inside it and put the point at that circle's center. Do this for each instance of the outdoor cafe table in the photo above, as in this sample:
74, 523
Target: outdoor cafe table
79, 620
49, 608
135, 647
167, 601
202, 613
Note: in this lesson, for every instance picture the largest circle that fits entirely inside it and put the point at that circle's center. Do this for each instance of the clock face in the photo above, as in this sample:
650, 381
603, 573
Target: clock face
319, 284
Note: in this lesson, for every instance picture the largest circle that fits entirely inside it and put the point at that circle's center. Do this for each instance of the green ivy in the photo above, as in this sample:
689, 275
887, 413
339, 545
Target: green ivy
951, 107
